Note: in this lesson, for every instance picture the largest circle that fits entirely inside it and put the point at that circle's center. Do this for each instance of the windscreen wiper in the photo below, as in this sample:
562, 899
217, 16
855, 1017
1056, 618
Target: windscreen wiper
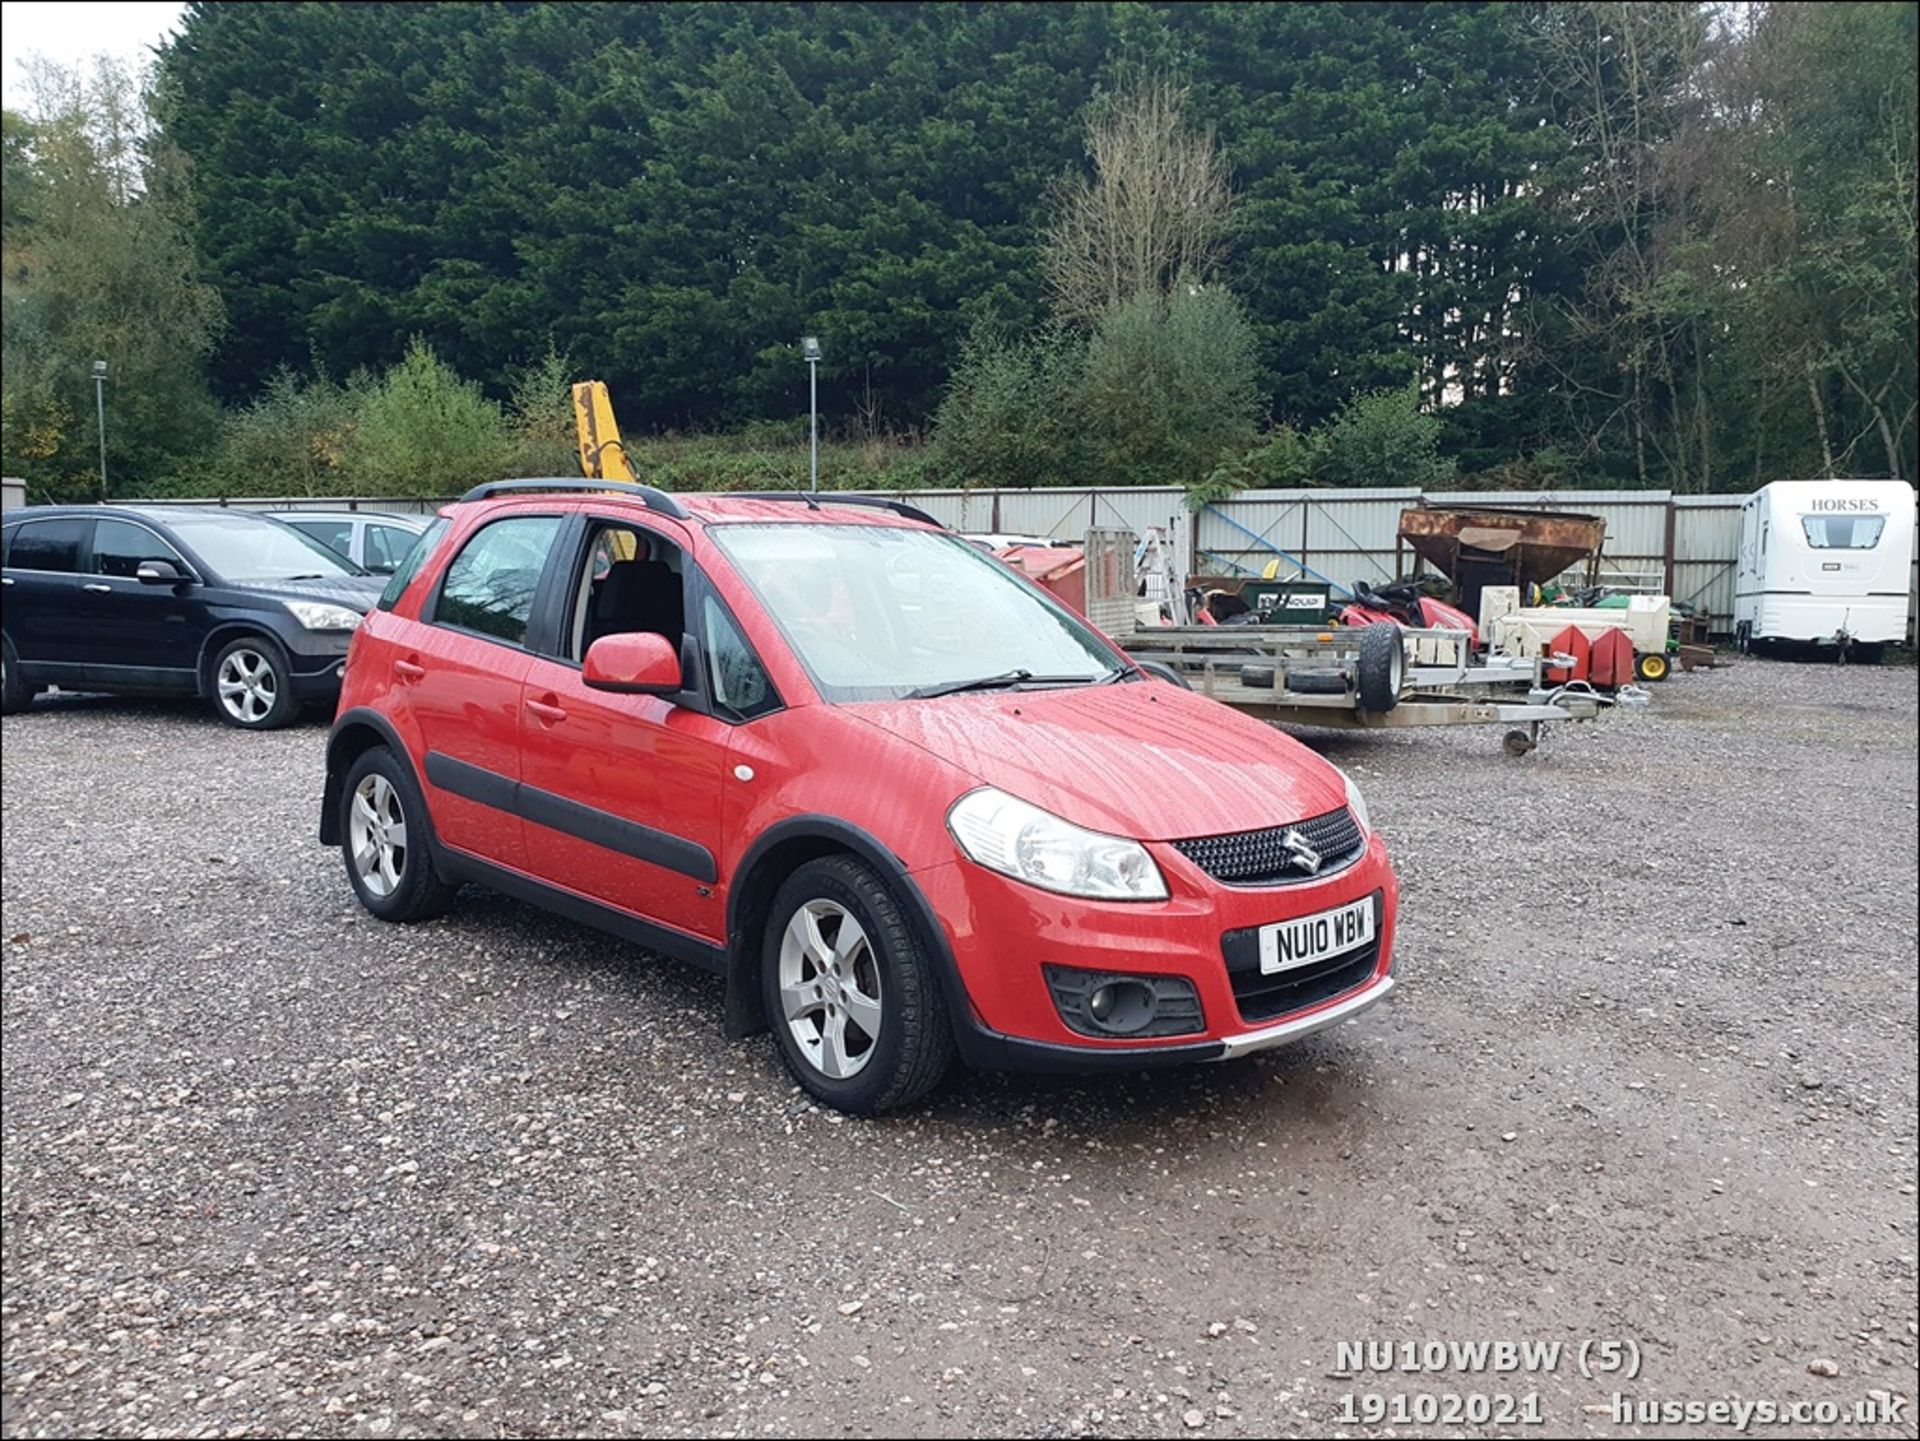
1004, 681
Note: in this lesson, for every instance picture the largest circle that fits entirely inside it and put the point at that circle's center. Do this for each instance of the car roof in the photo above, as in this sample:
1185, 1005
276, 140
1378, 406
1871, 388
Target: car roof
158, 514
708, 507
384, 517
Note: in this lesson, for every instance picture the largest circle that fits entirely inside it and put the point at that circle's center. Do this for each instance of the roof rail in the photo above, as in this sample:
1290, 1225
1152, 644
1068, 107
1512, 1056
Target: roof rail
651, 498
816, 499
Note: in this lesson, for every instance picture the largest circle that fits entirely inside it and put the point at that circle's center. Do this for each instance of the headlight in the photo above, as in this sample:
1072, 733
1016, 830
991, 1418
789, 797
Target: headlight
1025, 842
319, 615
1356, 803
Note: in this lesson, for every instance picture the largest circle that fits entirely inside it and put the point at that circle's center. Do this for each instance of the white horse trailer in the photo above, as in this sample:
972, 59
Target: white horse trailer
1825, 563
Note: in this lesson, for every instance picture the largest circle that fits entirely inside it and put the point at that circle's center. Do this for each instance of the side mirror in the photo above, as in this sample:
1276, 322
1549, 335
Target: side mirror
160, 572
636, 663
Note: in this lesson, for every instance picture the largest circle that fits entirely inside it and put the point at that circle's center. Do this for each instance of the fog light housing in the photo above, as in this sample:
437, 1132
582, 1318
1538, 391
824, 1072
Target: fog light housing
1121, 1006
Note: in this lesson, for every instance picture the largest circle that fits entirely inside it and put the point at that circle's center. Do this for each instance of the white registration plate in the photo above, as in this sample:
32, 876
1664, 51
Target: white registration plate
1306, 939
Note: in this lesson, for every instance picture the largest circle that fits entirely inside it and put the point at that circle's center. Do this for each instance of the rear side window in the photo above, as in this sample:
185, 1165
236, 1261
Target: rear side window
119, 546
490, 585
1843, 532
48, 545
387, 546
335, 535
410, 564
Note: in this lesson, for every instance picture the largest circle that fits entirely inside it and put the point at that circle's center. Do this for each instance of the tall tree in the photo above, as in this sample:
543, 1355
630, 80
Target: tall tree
99, 265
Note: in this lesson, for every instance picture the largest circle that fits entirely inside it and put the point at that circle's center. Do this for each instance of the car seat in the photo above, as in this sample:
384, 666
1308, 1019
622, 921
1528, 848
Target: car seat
638, 595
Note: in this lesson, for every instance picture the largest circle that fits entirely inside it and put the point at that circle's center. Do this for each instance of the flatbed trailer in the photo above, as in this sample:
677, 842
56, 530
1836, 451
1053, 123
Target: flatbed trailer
1375, 677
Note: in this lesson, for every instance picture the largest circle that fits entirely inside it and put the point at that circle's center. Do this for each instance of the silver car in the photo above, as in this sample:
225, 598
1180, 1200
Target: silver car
374, 540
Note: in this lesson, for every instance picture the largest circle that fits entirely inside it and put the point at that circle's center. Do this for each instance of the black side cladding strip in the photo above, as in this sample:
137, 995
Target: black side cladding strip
597, 827
473, 783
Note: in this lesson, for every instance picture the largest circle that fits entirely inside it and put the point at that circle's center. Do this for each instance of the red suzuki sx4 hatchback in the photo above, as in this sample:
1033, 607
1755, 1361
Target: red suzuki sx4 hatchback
908, 805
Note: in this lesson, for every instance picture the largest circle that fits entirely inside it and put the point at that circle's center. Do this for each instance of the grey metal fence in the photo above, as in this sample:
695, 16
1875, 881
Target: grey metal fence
1685, 544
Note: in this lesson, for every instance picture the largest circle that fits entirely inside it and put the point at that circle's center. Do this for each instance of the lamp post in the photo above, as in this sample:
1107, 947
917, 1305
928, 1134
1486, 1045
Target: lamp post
810, 349
100, 406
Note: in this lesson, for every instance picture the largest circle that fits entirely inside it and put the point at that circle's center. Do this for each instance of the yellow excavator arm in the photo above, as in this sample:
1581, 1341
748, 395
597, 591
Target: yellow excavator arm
602, 456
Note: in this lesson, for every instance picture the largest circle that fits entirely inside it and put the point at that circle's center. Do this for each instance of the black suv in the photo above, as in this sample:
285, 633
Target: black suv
225, 604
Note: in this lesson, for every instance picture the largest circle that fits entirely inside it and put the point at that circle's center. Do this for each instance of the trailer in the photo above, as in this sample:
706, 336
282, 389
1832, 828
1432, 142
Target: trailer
1825, 563
1374, 677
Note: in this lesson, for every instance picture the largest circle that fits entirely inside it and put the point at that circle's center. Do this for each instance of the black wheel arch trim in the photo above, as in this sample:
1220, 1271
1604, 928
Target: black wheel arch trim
360, 716
744, 1016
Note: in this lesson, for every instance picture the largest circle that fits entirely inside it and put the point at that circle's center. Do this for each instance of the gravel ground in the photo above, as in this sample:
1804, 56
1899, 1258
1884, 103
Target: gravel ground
272, 1167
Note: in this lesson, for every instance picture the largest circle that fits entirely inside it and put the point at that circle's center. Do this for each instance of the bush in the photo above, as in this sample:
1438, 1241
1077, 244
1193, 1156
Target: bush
291, 441
422, 430
1170, 386
542, 434
1007, 419
1283, 460
1381, 437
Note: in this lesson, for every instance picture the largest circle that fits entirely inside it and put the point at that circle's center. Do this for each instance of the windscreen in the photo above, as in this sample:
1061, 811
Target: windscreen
250, 547
880, 612
1828, 531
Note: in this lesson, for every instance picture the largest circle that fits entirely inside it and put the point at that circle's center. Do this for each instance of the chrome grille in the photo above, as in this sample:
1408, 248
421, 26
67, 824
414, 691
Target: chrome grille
1265, 857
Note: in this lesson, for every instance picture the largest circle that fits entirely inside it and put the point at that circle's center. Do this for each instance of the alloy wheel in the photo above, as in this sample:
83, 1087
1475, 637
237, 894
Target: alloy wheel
830, 988
377, 835
248, 686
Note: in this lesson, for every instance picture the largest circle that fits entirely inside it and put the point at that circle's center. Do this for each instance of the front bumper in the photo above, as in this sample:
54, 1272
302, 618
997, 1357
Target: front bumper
318, 660
1001, 934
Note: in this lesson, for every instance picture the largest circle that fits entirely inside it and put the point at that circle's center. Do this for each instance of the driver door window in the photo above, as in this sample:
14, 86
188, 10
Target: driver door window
632, 581
119, 546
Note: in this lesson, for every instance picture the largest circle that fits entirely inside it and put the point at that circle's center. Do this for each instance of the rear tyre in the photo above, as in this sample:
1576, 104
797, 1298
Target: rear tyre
850, 991
1651, 666
383, 839
1381, 667
253, 685
14, 693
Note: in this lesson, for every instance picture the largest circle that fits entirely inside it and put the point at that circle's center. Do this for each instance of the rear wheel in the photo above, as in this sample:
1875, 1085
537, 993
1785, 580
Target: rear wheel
383, 839
1652, 665
15, 696
851, 993
253, 685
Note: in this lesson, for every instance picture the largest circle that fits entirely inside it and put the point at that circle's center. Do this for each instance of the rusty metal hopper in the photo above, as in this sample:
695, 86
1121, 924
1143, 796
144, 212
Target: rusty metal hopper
1483, 545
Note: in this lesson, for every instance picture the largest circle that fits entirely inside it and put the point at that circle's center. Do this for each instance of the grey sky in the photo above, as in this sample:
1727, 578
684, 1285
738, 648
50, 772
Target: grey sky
73, 31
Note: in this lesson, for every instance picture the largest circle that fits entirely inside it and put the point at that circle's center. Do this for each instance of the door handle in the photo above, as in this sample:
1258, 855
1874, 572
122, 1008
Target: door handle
408, 670
6, 580
547, 711
99, 589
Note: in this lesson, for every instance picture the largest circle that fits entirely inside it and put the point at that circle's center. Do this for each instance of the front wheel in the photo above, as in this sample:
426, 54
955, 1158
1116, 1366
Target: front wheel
383, 838
850, 991
1652, 665
253, 685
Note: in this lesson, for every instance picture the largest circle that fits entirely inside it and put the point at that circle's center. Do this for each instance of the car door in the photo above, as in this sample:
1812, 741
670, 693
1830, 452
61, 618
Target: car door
458, 673
138, 634
621, 793
43, 592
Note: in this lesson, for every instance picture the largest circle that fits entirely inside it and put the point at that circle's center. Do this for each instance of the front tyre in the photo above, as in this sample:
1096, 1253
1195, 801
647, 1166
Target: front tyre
383, 838
850, 992
253, 685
